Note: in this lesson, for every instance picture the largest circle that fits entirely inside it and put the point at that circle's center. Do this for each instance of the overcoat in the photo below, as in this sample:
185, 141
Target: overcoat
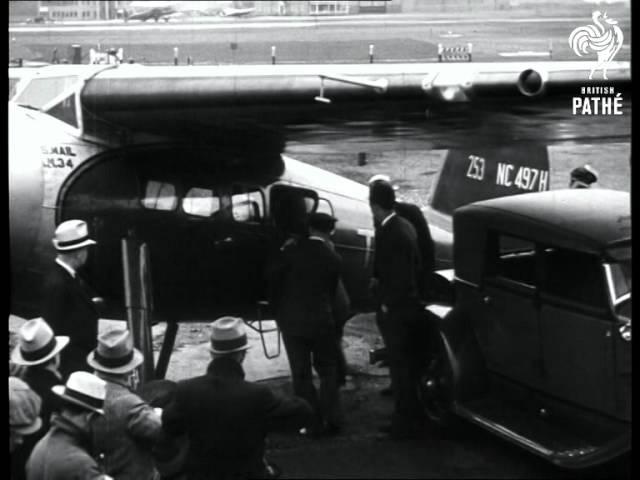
68, 309
227, 420
63, 453
126, 433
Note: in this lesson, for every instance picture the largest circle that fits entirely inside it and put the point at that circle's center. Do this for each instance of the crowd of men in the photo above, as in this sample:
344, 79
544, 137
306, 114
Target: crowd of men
78, 412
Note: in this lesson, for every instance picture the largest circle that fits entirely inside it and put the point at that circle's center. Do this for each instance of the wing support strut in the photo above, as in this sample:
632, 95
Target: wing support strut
378, 86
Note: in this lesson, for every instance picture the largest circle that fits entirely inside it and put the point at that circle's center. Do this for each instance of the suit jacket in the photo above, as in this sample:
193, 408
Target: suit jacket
414, 215
63, 453
396, 262
67, 307
227, 420
126, 434
309, 277
40, 380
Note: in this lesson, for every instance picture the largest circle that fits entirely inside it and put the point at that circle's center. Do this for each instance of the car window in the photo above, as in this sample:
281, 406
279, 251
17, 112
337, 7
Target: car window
573, 276
513, 259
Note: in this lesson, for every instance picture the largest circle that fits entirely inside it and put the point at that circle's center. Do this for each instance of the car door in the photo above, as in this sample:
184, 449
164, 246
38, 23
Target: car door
577, 329
510, 309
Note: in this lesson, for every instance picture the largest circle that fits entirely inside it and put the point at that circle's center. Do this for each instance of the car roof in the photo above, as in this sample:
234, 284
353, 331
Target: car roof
588, 218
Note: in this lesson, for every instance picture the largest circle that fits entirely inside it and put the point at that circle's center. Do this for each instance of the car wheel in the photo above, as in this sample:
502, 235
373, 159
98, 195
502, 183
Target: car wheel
435, 388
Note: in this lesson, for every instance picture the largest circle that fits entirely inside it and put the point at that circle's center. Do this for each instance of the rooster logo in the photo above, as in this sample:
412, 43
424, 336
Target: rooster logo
604, 40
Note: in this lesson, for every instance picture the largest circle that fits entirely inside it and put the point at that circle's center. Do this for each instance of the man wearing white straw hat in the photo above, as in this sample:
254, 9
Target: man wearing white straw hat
38, 352
64, 452
225, 417
130, 427
68, 303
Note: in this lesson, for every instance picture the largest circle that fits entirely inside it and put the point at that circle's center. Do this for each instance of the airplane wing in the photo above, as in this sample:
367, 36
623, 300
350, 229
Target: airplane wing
426, 105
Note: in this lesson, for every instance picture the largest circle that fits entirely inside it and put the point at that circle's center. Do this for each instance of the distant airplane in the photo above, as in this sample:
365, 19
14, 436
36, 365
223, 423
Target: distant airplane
191, 162
157, 10
236, 12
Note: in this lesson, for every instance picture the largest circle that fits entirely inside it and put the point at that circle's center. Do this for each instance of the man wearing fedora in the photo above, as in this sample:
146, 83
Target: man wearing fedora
225, 417
24, 422
130, 427
68, 303
64, 453
38, 351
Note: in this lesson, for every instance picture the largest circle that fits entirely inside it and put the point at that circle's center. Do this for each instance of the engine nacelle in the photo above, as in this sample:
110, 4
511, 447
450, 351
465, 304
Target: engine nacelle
532, 83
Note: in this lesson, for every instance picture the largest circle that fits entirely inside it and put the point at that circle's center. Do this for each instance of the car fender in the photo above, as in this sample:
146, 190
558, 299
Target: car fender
459, 344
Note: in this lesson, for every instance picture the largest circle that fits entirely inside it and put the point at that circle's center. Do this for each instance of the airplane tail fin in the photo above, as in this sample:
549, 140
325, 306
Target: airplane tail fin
470, 175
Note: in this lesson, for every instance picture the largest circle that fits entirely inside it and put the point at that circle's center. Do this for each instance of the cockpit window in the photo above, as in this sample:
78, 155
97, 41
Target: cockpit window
40, 91
247, 204
65, 110
201, 202
160, 196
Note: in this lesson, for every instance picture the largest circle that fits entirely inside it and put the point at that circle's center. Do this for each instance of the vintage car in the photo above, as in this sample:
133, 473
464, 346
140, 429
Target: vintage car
536, 347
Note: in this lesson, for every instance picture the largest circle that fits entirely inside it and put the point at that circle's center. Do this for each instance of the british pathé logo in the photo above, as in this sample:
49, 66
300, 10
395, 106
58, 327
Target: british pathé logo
604, 38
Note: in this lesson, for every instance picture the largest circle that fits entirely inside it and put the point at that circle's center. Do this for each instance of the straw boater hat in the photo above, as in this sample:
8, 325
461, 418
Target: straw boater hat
228, 335
36, 343
380, 177
115, 353
83, 389
24, 408
71, 235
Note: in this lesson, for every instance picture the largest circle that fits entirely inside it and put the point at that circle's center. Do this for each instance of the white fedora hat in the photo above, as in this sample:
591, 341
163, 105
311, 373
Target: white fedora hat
228, 335
115, 353
83, 389
36, 343
71, 235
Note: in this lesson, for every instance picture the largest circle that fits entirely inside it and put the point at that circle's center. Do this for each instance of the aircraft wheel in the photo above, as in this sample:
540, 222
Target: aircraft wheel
435, 388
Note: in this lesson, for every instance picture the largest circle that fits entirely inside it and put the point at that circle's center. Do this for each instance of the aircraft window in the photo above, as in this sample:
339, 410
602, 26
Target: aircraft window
514, 260
65, 110
201, 202
247, 205
40, 91
324, 206
574, 276
160, 196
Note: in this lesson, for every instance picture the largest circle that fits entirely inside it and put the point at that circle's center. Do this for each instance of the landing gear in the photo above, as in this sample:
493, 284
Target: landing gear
435, 387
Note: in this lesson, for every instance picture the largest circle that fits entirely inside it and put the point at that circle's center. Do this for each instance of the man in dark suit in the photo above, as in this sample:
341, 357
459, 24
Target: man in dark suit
396, 267
310, 271
226, 418
426, 247
68, 303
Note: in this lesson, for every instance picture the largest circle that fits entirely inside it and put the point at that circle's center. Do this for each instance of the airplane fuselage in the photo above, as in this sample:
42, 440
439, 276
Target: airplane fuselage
211, 223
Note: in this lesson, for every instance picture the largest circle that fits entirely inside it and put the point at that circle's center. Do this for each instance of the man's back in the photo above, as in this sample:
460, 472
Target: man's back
414, 215
310, 280
67, 307
126, 433
227, 419
62, 454
397, 261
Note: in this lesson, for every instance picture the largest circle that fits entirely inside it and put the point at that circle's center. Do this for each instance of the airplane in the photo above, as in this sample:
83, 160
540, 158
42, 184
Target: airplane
235, 12
190, 161
156, 10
